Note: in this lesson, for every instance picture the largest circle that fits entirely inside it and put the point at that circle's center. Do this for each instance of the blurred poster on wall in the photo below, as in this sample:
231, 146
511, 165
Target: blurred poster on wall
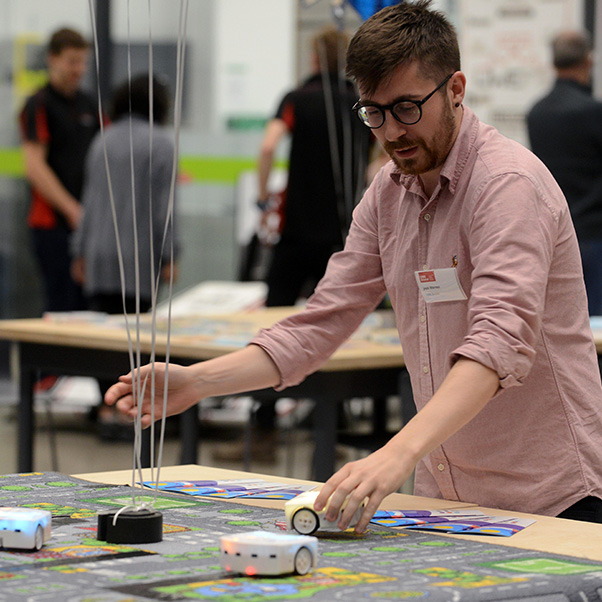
506, 56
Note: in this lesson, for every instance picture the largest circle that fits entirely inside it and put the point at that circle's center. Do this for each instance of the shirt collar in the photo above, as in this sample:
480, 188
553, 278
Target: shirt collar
57, 92
565, 82
456, 159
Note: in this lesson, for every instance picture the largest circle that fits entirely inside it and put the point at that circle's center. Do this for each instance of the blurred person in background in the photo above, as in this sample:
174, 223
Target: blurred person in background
57, 126
328, 157
141, 194
565, 132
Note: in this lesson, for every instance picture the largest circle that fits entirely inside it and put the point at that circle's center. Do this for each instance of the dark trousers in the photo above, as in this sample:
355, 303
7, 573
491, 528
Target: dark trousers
588, 509
52, 251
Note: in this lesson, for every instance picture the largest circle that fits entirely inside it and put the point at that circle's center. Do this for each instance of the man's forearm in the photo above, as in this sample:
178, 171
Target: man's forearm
264, 168
462, 395
47, 183
249, 369
273, 133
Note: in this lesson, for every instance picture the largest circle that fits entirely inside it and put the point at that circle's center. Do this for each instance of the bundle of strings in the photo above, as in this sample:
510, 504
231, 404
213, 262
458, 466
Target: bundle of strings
134, 343
352, 160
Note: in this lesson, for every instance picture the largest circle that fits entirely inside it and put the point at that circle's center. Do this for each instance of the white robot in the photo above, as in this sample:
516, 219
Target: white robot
24, 528
301, 516
264, 553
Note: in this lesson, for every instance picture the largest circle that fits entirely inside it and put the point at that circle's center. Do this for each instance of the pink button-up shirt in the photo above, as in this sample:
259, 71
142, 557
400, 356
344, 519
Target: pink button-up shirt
501, 219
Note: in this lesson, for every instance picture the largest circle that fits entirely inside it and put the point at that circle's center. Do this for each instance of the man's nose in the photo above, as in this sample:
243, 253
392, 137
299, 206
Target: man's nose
392, 128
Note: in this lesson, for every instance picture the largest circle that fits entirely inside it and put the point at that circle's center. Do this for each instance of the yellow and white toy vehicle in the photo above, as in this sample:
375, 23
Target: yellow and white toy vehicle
24, 528
301, 516
263, 553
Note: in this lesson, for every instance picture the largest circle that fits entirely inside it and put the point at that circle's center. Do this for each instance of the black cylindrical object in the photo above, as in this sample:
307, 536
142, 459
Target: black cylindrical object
131, 526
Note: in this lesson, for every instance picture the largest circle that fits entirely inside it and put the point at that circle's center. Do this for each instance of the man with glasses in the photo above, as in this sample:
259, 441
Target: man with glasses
472, 239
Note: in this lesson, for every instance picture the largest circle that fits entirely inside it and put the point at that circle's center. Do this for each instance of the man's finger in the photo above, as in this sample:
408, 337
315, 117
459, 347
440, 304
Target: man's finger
369, 511
126, 404
354, 500
117, 391
337, 499
330, 487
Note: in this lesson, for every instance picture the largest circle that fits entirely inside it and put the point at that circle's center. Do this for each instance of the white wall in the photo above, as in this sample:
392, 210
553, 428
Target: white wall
41, 16
240, 54
506, 55
254, 58
164, 19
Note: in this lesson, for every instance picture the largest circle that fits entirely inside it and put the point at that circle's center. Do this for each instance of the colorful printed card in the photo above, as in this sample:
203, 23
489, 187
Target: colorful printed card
469, 521
241, 488
404, 518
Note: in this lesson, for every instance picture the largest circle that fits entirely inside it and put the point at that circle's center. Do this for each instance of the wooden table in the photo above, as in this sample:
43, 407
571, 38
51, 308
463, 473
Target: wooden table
85, 347
547, 534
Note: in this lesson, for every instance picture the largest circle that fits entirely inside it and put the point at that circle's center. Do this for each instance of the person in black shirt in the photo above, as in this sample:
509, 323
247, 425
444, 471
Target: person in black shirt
57, 125
328, 158
327, 162
565, 131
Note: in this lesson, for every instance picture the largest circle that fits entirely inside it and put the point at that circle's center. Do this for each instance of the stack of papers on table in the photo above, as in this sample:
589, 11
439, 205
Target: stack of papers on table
233, 488
473, 522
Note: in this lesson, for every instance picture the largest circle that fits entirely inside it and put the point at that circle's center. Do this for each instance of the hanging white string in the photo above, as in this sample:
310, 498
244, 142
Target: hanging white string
348, 149
138, 388
331, 120
181, 53
137, 385
112, 201
352, 147
154, 290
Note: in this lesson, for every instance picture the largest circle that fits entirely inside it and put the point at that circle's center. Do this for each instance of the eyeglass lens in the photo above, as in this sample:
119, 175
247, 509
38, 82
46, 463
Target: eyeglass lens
406, 111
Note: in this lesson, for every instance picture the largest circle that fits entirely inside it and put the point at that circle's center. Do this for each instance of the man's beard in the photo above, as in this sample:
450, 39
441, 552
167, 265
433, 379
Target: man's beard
431, 154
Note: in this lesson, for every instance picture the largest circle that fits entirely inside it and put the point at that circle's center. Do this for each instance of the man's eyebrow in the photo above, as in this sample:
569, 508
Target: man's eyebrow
394, 101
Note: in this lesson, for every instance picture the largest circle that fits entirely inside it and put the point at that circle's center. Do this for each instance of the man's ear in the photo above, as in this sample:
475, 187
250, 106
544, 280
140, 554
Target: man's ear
457, 88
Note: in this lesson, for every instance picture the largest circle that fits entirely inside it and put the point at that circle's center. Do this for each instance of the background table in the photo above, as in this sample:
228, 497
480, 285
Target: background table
87, 347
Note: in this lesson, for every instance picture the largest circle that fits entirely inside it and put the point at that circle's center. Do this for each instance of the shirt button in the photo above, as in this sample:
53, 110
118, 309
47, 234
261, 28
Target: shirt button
425, 267
427, 217
423, 318
425, 369
441, 467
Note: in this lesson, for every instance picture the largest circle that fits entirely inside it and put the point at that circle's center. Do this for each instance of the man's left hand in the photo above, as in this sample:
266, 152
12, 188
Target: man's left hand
370, 479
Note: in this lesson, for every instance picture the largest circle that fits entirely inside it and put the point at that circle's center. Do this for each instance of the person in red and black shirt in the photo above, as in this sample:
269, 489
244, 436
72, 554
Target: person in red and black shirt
57, 125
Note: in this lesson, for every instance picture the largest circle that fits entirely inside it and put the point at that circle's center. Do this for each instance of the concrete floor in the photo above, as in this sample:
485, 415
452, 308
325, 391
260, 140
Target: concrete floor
67, 441
73, 446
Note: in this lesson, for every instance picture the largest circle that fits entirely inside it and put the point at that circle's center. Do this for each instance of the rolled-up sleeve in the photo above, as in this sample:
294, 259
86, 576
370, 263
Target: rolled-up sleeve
351, 288
512, 237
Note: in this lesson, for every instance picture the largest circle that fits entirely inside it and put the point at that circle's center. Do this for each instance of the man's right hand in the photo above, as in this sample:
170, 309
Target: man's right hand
133, 393
247, 369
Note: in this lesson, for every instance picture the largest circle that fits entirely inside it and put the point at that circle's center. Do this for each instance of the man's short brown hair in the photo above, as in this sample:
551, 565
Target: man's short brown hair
66, 38
399, 34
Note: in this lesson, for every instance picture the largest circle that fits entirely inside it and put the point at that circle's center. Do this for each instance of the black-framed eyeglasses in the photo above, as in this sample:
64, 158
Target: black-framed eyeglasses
407, 112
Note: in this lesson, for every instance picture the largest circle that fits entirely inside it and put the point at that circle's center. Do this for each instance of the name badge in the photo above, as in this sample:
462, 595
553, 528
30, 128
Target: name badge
440, 285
